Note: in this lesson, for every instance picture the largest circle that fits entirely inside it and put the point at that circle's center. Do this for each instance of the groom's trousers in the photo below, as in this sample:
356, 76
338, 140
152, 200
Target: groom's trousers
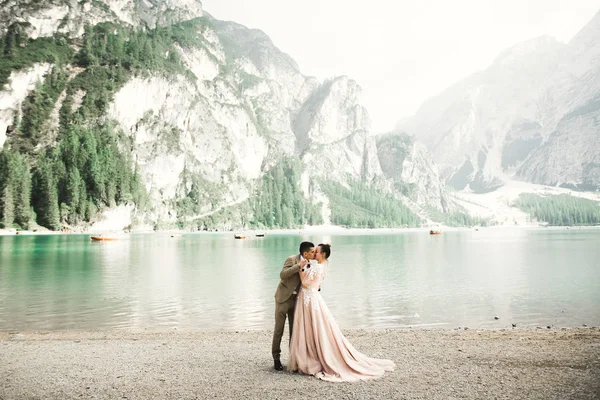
281, 311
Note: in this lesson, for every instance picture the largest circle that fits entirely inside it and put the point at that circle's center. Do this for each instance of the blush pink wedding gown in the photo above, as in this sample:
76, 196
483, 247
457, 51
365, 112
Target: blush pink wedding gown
318, 347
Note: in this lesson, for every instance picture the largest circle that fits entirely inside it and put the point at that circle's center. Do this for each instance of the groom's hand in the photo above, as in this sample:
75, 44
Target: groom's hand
302, 264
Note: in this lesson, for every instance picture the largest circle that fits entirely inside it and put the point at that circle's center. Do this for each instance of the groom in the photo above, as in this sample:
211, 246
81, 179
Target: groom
285, 296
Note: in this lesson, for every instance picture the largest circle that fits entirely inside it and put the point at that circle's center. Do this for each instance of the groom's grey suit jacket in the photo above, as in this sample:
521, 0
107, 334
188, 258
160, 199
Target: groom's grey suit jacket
290, 279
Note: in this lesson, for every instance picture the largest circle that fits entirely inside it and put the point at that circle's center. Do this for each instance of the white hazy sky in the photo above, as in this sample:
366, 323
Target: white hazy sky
402, 52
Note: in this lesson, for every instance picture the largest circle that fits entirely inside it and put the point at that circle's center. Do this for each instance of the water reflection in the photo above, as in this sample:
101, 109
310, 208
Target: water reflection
463, 278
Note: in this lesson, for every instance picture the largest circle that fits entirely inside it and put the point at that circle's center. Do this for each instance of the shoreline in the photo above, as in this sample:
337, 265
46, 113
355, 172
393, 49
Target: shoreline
55, 334
432, 364
321, 229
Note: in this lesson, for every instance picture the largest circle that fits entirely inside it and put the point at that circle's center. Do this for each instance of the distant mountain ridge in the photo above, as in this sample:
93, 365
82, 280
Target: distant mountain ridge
532, 115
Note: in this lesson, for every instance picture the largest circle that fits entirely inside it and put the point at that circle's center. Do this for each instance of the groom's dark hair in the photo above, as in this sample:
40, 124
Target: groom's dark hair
305, 246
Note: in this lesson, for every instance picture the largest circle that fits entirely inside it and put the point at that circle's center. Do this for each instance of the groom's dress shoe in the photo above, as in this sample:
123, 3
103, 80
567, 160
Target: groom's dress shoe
278, 365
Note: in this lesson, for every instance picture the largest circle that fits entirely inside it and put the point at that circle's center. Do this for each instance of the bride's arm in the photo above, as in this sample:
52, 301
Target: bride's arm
324, 275
306, 277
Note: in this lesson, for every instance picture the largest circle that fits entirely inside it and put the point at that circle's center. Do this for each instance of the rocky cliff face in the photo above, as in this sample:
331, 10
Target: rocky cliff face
13, 94
250, 106
247, 108
532, 115
409, 167
332, 133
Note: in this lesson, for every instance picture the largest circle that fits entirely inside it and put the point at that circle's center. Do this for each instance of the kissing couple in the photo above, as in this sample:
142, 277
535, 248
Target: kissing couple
317, 345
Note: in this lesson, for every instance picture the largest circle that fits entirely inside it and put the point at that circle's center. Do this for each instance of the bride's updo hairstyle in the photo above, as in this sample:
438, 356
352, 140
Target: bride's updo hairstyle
325, 248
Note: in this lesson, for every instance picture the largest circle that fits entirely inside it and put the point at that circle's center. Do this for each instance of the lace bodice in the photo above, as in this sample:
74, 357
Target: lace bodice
313, 276
311, 282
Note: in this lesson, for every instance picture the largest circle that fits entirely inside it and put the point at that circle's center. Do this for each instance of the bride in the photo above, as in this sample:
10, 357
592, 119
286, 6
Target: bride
317, 345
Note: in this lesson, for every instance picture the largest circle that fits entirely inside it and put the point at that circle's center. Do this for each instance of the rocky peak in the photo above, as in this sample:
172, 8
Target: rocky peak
587, 40
69, 17
332, 132
528, 51
410, 168
253, 44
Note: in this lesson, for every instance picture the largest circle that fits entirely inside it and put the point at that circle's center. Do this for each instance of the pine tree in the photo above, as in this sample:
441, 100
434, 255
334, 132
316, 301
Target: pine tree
7, 204
73, 193
22, 190
10, 41
45, 199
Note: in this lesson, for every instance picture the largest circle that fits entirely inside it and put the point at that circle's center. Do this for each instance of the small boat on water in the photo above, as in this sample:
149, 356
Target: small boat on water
101, 238
432, 232
260, 234
239, 236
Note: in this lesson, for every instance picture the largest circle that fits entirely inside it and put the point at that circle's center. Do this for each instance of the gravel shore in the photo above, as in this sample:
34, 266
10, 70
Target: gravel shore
432, 364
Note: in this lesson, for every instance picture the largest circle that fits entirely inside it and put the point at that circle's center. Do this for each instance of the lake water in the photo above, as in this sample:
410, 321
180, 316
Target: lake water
532, 277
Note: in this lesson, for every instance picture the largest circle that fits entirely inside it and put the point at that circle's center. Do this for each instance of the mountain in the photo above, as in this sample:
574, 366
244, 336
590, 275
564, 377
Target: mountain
532, 115
569, 109
156, 115
409, 166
